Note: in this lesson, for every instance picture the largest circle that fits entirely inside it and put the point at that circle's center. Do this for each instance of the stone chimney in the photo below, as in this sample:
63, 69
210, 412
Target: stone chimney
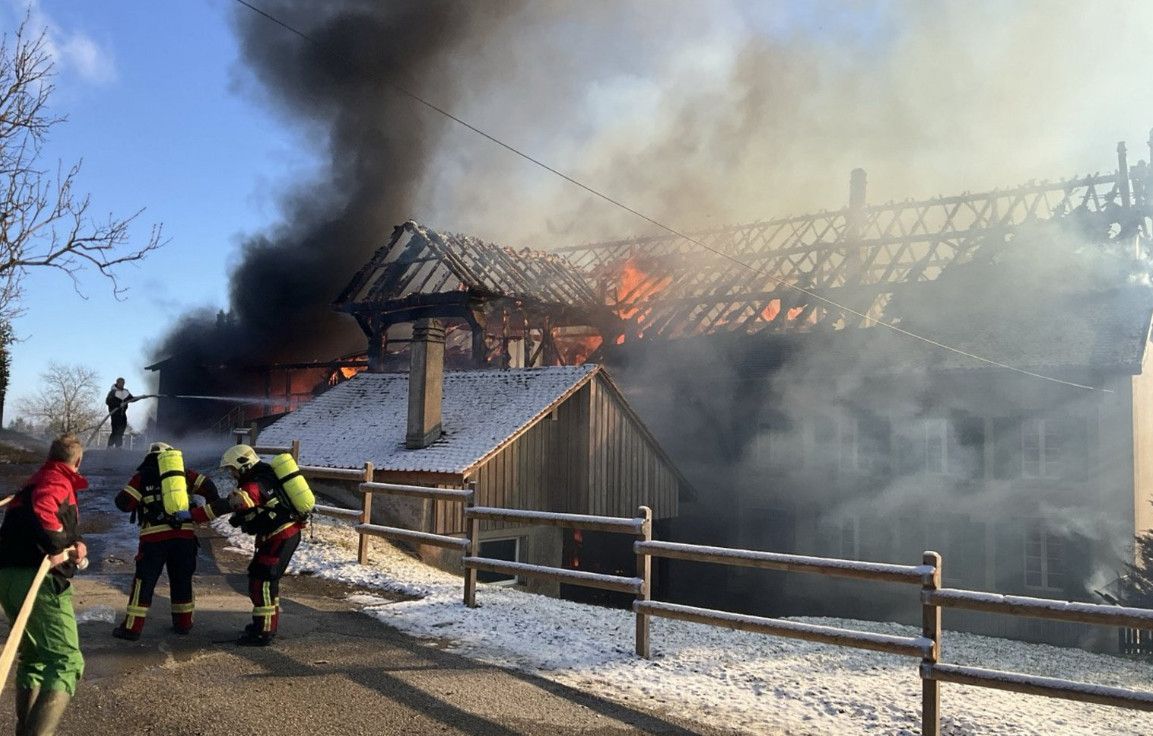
425, 383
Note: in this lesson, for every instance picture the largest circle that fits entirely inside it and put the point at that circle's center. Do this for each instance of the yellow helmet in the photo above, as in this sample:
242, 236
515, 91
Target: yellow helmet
240, 457
158, 447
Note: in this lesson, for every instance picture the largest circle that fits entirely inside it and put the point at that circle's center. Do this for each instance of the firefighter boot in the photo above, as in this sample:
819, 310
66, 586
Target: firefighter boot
25, 699
123, 632
46, 713
253, 637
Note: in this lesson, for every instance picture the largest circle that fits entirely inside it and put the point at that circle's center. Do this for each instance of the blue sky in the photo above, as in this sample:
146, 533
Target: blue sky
159, 121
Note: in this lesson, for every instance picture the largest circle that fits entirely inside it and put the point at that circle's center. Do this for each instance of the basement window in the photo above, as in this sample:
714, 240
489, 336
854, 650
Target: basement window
1044, 559
507, 550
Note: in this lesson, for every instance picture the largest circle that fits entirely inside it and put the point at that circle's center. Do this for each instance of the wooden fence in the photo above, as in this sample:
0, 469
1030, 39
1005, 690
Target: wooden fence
926, 576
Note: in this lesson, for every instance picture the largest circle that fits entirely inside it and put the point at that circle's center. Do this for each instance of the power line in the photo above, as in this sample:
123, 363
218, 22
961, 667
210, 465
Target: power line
677, 233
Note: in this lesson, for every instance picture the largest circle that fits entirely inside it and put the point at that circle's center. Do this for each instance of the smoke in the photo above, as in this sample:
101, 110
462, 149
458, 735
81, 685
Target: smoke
698, 113
340, 89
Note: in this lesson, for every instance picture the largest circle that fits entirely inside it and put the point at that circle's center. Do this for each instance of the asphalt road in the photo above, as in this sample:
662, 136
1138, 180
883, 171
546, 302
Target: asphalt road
332, 670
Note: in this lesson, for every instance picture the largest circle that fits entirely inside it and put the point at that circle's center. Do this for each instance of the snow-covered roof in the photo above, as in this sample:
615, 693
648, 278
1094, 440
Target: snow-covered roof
365, 418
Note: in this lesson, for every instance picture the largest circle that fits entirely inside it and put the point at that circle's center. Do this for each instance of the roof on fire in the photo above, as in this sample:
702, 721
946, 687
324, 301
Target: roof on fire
419, 261
365, 418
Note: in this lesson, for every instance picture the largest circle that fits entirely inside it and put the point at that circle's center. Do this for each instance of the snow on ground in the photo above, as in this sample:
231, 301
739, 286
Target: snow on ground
751, 682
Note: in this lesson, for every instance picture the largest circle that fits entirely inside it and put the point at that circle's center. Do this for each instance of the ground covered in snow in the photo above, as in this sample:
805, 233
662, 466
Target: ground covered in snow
750, 682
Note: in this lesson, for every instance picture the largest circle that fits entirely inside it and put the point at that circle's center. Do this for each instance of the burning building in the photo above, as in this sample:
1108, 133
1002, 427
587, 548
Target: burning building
559, 439
1000, 414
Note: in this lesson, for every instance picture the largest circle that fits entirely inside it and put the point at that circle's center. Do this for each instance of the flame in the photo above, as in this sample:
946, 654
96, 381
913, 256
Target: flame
635, 286
348, 372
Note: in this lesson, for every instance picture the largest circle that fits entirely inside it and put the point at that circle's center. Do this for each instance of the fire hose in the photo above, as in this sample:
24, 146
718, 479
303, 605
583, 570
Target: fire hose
122, 408
8, 656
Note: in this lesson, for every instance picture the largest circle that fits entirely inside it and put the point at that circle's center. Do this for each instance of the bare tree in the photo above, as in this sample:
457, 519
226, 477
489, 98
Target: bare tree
68, 400
44, 222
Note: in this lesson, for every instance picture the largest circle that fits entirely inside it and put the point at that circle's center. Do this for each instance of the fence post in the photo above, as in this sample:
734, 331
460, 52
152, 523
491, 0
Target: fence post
295, 451
645, 573
473, 548
365, 517
930, 629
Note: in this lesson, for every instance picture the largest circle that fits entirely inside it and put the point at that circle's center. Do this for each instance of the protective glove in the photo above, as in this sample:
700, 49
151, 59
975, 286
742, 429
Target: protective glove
182, 516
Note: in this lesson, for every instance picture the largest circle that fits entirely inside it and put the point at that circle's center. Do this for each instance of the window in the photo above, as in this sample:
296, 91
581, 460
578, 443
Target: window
1044, 448
1044, 559
824, 437
842, 538
499, 549
936, 446
778, 447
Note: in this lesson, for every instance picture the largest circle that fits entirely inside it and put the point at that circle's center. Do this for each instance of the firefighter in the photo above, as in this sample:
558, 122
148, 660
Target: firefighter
167, 536
117, 401
260, 506
43, 519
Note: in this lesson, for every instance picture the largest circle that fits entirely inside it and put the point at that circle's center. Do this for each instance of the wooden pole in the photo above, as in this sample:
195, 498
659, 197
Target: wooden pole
645, 573
931, 630
295, 451
8, 656
365, 517
473, 548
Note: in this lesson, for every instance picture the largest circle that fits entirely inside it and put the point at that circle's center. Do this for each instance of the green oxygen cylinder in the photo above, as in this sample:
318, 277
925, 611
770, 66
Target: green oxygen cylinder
173, 484
293, 483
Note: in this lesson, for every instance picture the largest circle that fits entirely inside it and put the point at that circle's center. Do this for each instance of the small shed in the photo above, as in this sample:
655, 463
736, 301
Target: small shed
560, 439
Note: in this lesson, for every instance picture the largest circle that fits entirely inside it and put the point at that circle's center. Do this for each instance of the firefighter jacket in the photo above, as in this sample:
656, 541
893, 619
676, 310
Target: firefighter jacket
266, 513
142, 497
43, 519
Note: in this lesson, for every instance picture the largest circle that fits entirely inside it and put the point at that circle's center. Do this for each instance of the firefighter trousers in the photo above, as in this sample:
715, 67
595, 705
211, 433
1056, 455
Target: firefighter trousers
264, 573
179, 557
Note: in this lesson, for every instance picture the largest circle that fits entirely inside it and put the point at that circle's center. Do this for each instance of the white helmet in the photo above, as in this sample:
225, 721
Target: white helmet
156, 447
240, 457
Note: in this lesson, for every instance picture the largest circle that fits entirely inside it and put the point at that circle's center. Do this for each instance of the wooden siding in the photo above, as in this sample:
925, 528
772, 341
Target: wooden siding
625, 469
592, 458
545, 469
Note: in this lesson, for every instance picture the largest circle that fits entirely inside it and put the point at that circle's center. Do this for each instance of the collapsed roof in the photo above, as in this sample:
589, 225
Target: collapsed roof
823, 272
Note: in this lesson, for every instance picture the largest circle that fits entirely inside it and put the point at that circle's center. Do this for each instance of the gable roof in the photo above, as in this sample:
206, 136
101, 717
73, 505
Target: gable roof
421, 261
365, 418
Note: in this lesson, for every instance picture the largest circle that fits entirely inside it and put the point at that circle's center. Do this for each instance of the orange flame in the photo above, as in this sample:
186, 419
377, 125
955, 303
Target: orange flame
634, 287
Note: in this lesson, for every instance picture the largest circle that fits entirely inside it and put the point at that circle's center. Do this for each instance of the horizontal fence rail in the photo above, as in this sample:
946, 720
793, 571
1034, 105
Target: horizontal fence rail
1085, 613
572, 577
407, 535
322, 473
546, 518
911, 646
396, 489
914, 574
336, 511
1031, 684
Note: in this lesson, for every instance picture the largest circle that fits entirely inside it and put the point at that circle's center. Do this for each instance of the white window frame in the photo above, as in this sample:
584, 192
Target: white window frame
1039, 560
1041, 456
515, 579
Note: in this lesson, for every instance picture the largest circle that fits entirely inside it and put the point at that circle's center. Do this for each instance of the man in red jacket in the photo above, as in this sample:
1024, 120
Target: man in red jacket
42, 520
165, 542
259, 506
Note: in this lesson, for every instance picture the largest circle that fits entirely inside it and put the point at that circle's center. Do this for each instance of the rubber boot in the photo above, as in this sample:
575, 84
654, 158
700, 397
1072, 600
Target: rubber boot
25, 699
46, 713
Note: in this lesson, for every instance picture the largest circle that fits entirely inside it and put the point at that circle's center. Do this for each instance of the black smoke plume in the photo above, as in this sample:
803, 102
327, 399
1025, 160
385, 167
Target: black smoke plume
340, 85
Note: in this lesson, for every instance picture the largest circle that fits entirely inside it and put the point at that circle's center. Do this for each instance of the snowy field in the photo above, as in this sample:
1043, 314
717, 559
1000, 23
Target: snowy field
747, 682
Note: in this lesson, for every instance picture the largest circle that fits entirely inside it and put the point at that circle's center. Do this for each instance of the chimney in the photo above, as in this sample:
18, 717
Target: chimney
425, 383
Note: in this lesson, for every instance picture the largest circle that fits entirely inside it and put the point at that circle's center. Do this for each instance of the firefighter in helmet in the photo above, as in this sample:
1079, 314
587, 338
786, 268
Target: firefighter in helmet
261, 506
157, 496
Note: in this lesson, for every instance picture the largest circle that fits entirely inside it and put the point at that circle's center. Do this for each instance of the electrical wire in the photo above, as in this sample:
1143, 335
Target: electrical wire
677, 233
